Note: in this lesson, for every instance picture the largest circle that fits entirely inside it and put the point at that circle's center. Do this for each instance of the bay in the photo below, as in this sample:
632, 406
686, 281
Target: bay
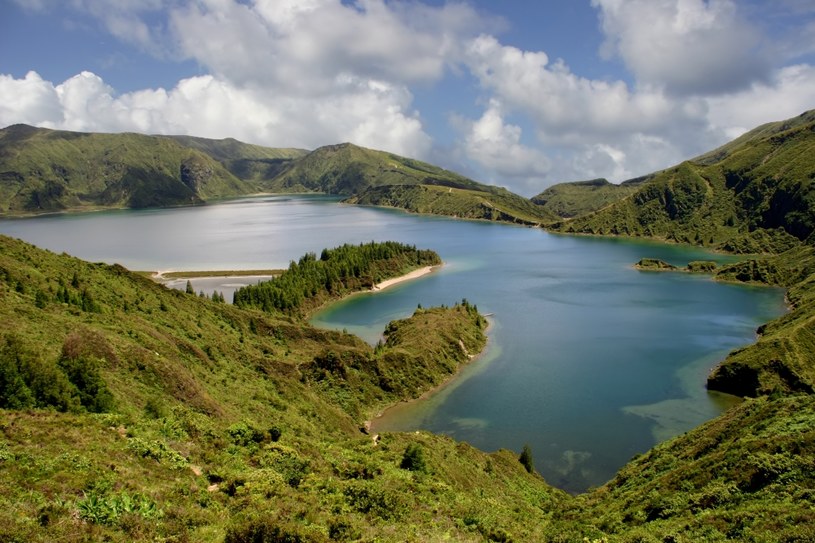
590, 362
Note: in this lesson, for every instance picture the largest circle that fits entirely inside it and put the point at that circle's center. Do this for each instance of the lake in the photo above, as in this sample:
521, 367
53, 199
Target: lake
590, 362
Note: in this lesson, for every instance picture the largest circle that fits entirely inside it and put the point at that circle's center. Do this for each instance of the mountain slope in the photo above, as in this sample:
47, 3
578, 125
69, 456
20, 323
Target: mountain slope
245, 161
755, 194
567, 200
46, 170
347, 169
222, 422
489, 203
230, 425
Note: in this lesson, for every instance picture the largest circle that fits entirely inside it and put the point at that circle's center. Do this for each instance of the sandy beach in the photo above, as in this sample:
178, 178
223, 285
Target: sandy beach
407, 277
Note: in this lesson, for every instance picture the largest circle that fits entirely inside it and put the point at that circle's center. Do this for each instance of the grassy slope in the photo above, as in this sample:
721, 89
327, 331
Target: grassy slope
245, 161
232, 425
754, 195
188, 453
485, 203
568, 200
45, 170
347, 169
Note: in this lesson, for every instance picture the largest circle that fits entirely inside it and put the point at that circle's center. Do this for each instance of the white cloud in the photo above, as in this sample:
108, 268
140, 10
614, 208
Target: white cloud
685, 46
496, 146
789, 92
30, 100
373, 115
305, 47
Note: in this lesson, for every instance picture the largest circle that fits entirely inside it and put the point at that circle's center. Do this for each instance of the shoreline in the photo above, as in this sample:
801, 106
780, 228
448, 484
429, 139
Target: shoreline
415, 274
370, 423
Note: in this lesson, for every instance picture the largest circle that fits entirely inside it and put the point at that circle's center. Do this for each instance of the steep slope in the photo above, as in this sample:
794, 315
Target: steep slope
46, 170
746, 476
216, 423
245, 161
568, 200
370, 177
348, 169
488, 203
753, 195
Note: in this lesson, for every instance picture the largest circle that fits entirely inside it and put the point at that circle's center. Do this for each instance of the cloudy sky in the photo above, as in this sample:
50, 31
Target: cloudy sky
517, 93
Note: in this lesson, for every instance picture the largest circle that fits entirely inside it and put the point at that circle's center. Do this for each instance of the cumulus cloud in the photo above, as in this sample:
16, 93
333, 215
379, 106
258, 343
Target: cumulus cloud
496, 147
307, 46
374, 115
685, 46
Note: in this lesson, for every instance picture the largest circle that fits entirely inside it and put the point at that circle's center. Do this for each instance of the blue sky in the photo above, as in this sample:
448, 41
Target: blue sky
515, 93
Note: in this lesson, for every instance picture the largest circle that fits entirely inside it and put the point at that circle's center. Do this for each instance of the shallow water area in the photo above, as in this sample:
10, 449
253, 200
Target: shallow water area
590, 361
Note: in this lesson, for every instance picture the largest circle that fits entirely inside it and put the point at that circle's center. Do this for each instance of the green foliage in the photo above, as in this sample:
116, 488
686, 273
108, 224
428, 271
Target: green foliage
110, 509
414, 459
526, 459
752, 196
47, 170
568, 200
340, 271
467, 202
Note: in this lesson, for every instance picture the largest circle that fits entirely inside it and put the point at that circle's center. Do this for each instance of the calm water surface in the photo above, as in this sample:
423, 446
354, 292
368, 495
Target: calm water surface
590, 362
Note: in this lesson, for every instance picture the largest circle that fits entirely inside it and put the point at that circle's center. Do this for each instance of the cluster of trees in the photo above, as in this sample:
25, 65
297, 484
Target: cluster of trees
72, 383
216, 296
338, 271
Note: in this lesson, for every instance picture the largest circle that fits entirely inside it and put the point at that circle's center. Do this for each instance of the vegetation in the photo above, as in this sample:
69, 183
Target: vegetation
45, 170
131, 412
754, 195
309, 282
567, 200
489, 203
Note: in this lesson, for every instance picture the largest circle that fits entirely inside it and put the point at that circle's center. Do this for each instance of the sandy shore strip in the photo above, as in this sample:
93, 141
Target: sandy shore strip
415, 274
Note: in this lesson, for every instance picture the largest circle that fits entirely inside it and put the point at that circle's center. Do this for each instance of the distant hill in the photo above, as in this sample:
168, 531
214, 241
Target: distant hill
244, 160
489, 203
45, 170
567, 200
48, 170
755, 194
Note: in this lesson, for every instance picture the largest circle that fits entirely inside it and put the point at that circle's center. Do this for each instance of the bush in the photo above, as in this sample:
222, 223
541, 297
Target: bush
526, 459
413, 459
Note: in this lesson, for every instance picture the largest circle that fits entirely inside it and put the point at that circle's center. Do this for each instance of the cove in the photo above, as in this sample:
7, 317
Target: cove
590, 362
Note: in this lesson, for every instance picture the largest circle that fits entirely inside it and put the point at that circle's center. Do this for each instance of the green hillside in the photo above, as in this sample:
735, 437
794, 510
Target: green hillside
347, 169
489, 203
218, 423
752, 195
131, 412
567, 200
245, 161
46, 170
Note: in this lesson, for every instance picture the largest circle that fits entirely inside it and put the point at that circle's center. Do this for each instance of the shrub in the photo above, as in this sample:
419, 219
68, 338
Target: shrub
526, 459
413, 459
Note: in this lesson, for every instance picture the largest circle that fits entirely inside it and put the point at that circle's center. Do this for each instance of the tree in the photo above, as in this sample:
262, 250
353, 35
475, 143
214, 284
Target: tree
413, 459
189, 289
526, 459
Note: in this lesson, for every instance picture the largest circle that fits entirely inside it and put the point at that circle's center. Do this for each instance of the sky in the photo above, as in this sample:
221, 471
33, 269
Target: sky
518, 93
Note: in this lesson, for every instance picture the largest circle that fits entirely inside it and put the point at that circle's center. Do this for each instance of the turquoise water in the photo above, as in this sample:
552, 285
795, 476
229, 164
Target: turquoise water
590, 362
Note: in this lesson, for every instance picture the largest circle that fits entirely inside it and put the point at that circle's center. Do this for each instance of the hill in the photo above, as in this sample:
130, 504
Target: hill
488, 203
752, 195
144, 413
47, 170
567, 200
147, 414
243, 160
